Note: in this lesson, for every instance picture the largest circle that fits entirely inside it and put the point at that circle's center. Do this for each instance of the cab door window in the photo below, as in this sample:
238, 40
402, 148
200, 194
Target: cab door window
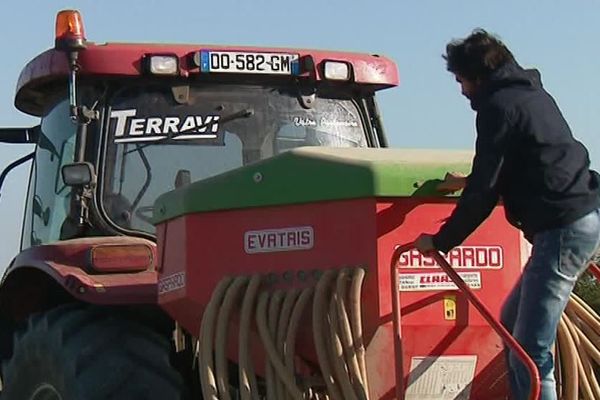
49, 205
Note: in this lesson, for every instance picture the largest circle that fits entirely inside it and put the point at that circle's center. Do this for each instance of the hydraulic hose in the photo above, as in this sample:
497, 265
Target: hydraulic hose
346, 335
273, 318
569, 361
579, 344
337, 352
320, 305
282, 325
290, 340
221, 336
263, 329
337, 334
356, 321
206, 364
584, 383
247, 377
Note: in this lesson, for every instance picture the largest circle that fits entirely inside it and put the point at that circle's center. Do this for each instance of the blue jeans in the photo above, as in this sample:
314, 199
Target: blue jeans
534, 306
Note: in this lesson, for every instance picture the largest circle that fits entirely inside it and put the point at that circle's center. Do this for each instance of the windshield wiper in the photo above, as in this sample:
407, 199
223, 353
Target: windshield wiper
245, 113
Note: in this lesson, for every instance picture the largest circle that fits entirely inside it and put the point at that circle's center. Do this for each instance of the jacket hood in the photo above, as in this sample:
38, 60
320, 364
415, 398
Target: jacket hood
509, 75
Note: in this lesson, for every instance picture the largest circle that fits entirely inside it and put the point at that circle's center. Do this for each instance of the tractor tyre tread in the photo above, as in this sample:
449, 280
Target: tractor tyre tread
90, 353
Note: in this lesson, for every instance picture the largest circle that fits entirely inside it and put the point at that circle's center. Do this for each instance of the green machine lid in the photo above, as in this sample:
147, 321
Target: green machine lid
312, 174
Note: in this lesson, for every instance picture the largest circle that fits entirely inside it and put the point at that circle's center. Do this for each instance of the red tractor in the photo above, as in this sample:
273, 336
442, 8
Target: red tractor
221, 222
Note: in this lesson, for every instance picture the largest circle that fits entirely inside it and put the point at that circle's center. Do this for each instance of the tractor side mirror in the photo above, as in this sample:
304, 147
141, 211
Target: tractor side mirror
79, 174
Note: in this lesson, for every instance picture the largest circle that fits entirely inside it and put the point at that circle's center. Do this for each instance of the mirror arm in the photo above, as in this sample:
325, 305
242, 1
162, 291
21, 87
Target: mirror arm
80, 114
83, 197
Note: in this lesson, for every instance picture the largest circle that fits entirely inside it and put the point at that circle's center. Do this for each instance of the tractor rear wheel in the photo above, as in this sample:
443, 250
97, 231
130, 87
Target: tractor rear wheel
89, 353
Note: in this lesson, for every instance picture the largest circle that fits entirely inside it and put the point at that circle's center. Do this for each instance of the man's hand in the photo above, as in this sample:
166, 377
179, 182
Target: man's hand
453, 182
424, 244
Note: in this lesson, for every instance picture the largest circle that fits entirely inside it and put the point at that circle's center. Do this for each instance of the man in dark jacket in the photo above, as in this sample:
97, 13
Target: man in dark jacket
526, 155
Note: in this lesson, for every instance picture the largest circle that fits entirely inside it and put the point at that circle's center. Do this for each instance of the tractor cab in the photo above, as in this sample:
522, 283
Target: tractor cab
122, 124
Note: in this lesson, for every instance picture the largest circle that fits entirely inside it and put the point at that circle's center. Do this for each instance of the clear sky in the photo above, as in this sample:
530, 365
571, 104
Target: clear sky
425, 111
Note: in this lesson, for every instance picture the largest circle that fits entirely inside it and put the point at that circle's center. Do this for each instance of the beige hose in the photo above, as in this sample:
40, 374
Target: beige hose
569, 361
282, 325
579, 344
247, 377
584, 383
337, 333
273, 318
320, 306
356, 321
290, 340
346, 335
583, 306
585, 313
588, 370
591, 335
221, 336
585, 344
337, 352
206, 363
263, 329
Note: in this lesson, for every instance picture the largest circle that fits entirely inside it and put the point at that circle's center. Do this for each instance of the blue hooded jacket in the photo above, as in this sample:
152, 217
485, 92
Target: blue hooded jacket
525, 154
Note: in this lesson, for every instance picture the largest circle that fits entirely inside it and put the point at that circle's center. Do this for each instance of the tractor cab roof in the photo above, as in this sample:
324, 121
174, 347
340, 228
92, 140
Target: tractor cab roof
51, 68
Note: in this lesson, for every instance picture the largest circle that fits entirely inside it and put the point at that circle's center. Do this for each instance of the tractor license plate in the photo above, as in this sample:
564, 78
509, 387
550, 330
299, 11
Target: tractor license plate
245, 62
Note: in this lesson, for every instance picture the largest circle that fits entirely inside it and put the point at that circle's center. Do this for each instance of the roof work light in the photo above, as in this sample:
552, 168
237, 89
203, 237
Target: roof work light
164, 64
69, 33
336, 70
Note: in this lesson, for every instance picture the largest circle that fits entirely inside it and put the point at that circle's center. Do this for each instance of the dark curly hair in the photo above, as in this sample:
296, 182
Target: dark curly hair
476, 56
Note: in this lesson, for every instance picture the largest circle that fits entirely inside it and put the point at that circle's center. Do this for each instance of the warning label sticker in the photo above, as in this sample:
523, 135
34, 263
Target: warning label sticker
441, 378
436, 281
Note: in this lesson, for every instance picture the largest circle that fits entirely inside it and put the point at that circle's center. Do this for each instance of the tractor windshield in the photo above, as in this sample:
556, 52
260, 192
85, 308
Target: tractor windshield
162, 137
